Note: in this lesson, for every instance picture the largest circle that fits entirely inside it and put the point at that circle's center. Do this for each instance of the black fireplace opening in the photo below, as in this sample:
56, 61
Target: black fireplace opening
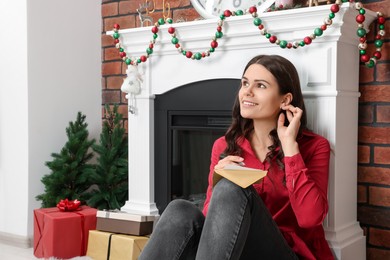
188, 120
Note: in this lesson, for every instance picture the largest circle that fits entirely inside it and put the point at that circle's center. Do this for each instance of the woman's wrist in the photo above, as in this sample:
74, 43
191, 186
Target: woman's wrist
290, 149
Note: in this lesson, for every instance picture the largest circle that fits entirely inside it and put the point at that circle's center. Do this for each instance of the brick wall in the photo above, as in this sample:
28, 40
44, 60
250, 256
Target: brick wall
374, 145
374, 112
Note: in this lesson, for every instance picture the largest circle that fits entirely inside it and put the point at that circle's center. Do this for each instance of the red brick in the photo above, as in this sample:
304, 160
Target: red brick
186, 14
107, 40
375, 93
376, 135
111, 97
125, 22
383, 72
385, 51
365, 75
374, 216
111, 68
376, 175
111, 54
129, 7
382, 155
377, 254
103, 82
383, 114
379, 237
362, 194
114, 82
123, 110
363, 154
109, 9
366, 114
379, 196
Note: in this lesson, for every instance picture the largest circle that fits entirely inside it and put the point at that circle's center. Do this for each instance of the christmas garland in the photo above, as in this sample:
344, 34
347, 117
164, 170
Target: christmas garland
334, 8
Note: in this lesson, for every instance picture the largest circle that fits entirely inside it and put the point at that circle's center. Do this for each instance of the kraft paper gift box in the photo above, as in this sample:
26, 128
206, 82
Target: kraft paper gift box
110, 246
62, 234
125, 223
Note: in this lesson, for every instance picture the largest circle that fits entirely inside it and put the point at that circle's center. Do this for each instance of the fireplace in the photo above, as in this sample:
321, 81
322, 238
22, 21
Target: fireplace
329, 73
186, 129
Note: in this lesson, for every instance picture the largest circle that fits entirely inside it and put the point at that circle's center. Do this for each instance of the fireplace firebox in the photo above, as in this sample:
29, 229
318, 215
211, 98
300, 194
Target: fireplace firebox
188, 120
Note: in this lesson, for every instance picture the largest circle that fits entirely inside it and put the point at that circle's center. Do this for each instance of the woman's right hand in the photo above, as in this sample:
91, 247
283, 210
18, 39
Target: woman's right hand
230, 159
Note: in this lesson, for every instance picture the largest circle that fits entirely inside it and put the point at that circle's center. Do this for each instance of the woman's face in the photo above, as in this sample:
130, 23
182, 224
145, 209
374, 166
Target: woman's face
259, 94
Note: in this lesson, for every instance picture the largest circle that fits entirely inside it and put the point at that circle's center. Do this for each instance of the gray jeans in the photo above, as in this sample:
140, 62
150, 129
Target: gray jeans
237, 226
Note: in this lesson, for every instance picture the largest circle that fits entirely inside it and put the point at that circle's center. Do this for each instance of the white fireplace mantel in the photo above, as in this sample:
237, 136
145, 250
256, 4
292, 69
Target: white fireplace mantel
329, 73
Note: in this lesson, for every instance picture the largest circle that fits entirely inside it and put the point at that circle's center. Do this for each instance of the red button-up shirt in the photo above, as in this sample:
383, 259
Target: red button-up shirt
300, 205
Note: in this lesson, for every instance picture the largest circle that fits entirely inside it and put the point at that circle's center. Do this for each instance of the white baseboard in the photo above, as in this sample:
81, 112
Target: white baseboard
15, 240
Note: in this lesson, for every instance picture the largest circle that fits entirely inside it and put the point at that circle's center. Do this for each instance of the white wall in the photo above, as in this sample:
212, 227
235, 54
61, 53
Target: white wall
53, 71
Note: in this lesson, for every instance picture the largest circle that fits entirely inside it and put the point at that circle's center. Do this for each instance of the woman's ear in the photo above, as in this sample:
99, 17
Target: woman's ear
287, 99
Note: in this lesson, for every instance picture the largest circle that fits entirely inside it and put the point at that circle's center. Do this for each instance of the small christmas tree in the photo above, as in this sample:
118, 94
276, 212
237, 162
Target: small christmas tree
111, 173
69, 169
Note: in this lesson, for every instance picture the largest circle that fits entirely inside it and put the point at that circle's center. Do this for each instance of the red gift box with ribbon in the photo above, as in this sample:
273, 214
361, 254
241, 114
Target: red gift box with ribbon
62, 234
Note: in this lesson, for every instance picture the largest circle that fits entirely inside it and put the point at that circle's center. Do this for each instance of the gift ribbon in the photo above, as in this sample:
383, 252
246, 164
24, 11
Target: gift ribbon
82, 252
109, 246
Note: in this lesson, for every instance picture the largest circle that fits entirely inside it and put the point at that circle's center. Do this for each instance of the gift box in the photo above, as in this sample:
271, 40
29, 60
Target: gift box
125, 223
110, 246
62, 234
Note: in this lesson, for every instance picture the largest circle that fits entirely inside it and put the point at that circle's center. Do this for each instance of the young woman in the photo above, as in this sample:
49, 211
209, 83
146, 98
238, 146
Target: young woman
280, 218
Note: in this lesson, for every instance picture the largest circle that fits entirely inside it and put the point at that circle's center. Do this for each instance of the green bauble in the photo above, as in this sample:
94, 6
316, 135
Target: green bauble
257, 21
283, 44
318, 31
361, 32
161, 21
149, 51
218, 34
198, 56
175, 40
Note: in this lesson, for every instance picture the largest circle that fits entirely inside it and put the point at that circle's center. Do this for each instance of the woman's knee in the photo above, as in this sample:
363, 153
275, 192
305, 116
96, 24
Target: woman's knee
225, 188
182, 212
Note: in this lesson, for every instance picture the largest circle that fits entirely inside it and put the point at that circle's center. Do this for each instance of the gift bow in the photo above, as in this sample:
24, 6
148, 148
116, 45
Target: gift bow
68, 205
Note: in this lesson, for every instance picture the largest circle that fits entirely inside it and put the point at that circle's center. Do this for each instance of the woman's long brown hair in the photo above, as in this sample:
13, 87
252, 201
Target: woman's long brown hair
288, 81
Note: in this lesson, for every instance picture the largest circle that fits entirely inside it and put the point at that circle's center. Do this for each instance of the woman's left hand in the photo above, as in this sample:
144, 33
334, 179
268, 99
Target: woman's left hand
288, 134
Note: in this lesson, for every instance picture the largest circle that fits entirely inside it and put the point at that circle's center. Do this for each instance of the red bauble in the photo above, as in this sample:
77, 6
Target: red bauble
323, 27
227, 13
188, 54
307, 40
364, 58
116, 41
177, 45
261, 27
378, 37
214, 44
219, 28
289, 45
381, 20
151, 46
360, 18
272, 39
377, 55
203, 54
143, 58
362, 39
171, 30
154, 29
122, 54
334, 8
116, 26
252, 9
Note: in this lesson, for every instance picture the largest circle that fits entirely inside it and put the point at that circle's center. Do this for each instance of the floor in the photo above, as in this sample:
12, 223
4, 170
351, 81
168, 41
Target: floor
8, 252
